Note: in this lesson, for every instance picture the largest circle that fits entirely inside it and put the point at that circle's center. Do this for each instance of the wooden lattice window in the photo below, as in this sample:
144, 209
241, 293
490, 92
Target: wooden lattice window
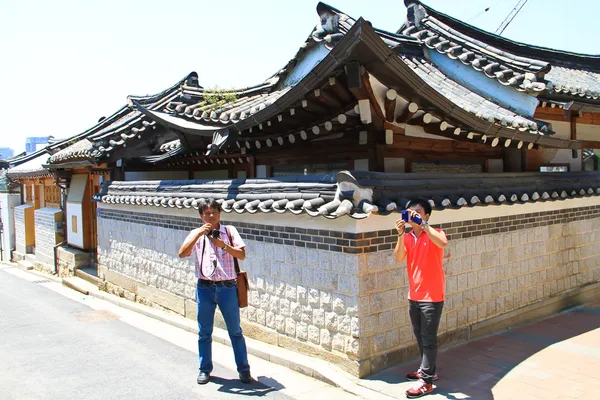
28, 193
51, 195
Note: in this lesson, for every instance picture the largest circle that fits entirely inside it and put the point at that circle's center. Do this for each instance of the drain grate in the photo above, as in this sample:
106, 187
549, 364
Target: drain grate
41, 281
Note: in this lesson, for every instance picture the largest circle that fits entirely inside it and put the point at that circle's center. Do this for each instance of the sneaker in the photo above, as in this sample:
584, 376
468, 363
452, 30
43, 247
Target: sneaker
203, 378
420, 389
415, 376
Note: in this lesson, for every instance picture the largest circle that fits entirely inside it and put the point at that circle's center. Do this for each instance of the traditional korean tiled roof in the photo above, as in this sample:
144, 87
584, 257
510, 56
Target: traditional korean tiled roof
356, 194
471, 101
522, 66
32, 168
574, 82
253, 108
115, 131
246, 104
189, 109
170, 146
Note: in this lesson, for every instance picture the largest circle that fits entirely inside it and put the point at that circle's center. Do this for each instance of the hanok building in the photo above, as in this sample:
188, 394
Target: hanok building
440, 109
38, 219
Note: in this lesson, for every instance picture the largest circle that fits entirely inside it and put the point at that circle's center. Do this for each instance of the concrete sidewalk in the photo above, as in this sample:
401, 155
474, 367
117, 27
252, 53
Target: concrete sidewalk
556, 358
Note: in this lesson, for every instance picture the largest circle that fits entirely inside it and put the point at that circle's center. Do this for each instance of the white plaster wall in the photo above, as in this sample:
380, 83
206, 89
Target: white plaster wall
564, 156
74, 232
588, 132
8, 202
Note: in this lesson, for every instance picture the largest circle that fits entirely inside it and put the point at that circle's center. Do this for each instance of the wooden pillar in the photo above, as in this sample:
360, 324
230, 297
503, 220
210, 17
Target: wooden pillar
573, 121
376, 162
37, 195
251, 168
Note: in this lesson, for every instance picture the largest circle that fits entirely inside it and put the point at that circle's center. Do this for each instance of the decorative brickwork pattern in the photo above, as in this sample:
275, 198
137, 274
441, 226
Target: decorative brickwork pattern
20, 240
305, 293
487, 275
45, 234
309, 238
353, 302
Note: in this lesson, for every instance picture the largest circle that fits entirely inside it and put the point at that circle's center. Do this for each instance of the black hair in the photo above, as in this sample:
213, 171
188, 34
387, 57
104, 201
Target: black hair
421, 202
206, 203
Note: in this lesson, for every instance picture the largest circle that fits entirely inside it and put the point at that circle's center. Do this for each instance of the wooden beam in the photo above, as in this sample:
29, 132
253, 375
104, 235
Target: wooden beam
590, 144
341, 91
407, 114
398, 130
314, 107
327, 100
390, 105
379, 118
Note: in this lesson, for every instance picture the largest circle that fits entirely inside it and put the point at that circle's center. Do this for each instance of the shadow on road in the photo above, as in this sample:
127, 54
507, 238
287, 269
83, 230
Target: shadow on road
235, 386
473, 369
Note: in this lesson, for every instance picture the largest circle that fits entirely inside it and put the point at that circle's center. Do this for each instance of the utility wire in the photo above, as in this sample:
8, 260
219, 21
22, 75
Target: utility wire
513, 13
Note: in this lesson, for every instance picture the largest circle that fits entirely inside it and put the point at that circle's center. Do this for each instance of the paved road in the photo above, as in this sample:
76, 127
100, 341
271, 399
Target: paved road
557, 358
54, 347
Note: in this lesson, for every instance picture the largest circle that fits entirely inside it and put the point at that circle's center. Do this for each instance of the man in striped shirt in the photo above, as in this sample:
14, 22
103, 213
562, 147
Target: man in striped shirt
214, 247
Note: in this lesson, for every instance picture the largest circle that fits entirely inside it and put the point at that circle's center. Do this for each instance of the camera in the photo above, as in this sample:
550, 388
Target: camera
215, 234
416, 218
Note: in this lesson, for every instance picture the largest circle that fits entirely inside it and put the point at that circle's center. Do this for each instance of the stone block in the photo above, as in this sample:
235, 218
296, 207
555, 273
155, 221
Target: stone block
162, 298
383, 301
191, 309
325, 339
314, 334
302, 331
121, 280
338, 342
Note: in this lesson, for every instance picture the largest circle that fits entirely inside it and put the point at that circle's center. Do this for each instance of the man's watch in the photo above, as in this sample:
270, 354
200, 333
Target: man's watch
425, 223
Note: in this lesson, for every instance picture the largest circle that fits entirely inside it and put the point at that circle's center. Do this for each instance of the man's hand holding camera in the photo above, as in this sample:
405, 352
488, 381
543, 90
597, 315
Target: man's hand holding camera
215, 237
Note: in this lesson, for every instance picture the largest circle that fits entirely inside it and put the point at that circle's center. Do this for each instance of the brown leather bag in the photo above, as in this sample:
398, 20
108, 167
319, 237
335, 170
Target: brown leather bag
242, 279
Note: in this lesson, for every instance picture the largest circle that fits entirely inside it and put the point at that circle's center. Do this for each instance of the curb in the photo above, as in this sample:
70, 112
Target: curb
309, 366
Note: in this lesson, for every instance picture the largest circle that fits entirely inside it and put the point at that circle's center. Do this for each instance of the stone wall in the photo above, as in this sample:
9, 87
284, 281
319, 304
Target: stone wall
68, 259
493, 266
304, 286
47, 235
21, 229
333, 289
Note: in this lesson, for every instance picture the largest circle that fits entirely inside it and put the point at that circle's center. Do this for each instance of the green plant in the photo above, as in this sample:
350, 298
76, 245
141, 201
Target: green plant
217, 95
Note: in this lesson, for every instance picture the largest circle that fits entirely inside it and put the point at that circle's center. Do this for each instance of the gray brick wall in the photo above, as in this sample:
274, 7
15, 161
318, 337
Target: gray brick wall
302, 292
20, 229
345, 292
45, 234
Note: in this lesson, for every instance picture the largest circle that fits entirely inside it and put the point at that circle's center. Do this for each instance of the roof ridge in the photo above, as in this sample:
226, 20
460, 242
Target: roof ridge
591, 61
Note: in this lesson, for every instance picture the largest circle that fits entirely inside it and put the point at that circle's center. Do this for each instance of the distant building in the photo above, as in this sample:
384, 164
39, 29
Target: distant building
32, 142
6, 153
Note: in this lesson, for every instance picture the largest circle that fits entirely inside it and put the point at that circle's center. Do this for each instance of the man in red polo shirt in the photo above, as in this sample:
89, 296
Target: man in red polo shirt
423, 248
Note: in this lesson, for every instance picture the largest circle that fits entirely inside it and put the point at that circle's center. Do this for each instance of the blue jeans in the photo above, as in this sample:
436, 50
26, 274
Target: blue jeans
208, 297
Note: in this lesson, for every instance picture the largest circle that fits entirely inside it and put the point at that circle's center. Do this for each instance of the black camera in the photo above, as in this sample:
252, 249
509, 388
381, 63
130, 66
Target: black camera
215, 234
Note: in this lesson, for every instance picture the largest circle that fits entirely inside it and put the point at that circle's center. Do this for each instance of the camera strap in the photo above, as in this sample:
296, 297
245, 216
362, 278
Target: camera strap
202, 257
235, 261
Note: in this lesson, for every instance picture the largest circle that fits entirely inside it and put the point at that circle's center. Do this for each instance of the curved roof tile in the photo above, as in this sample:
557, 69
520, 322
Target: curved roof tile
356, 194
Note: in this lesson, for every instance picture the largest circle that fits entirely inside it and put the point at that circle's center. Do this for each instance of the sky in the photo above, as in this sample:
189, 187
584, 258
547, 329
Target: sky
66, 63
